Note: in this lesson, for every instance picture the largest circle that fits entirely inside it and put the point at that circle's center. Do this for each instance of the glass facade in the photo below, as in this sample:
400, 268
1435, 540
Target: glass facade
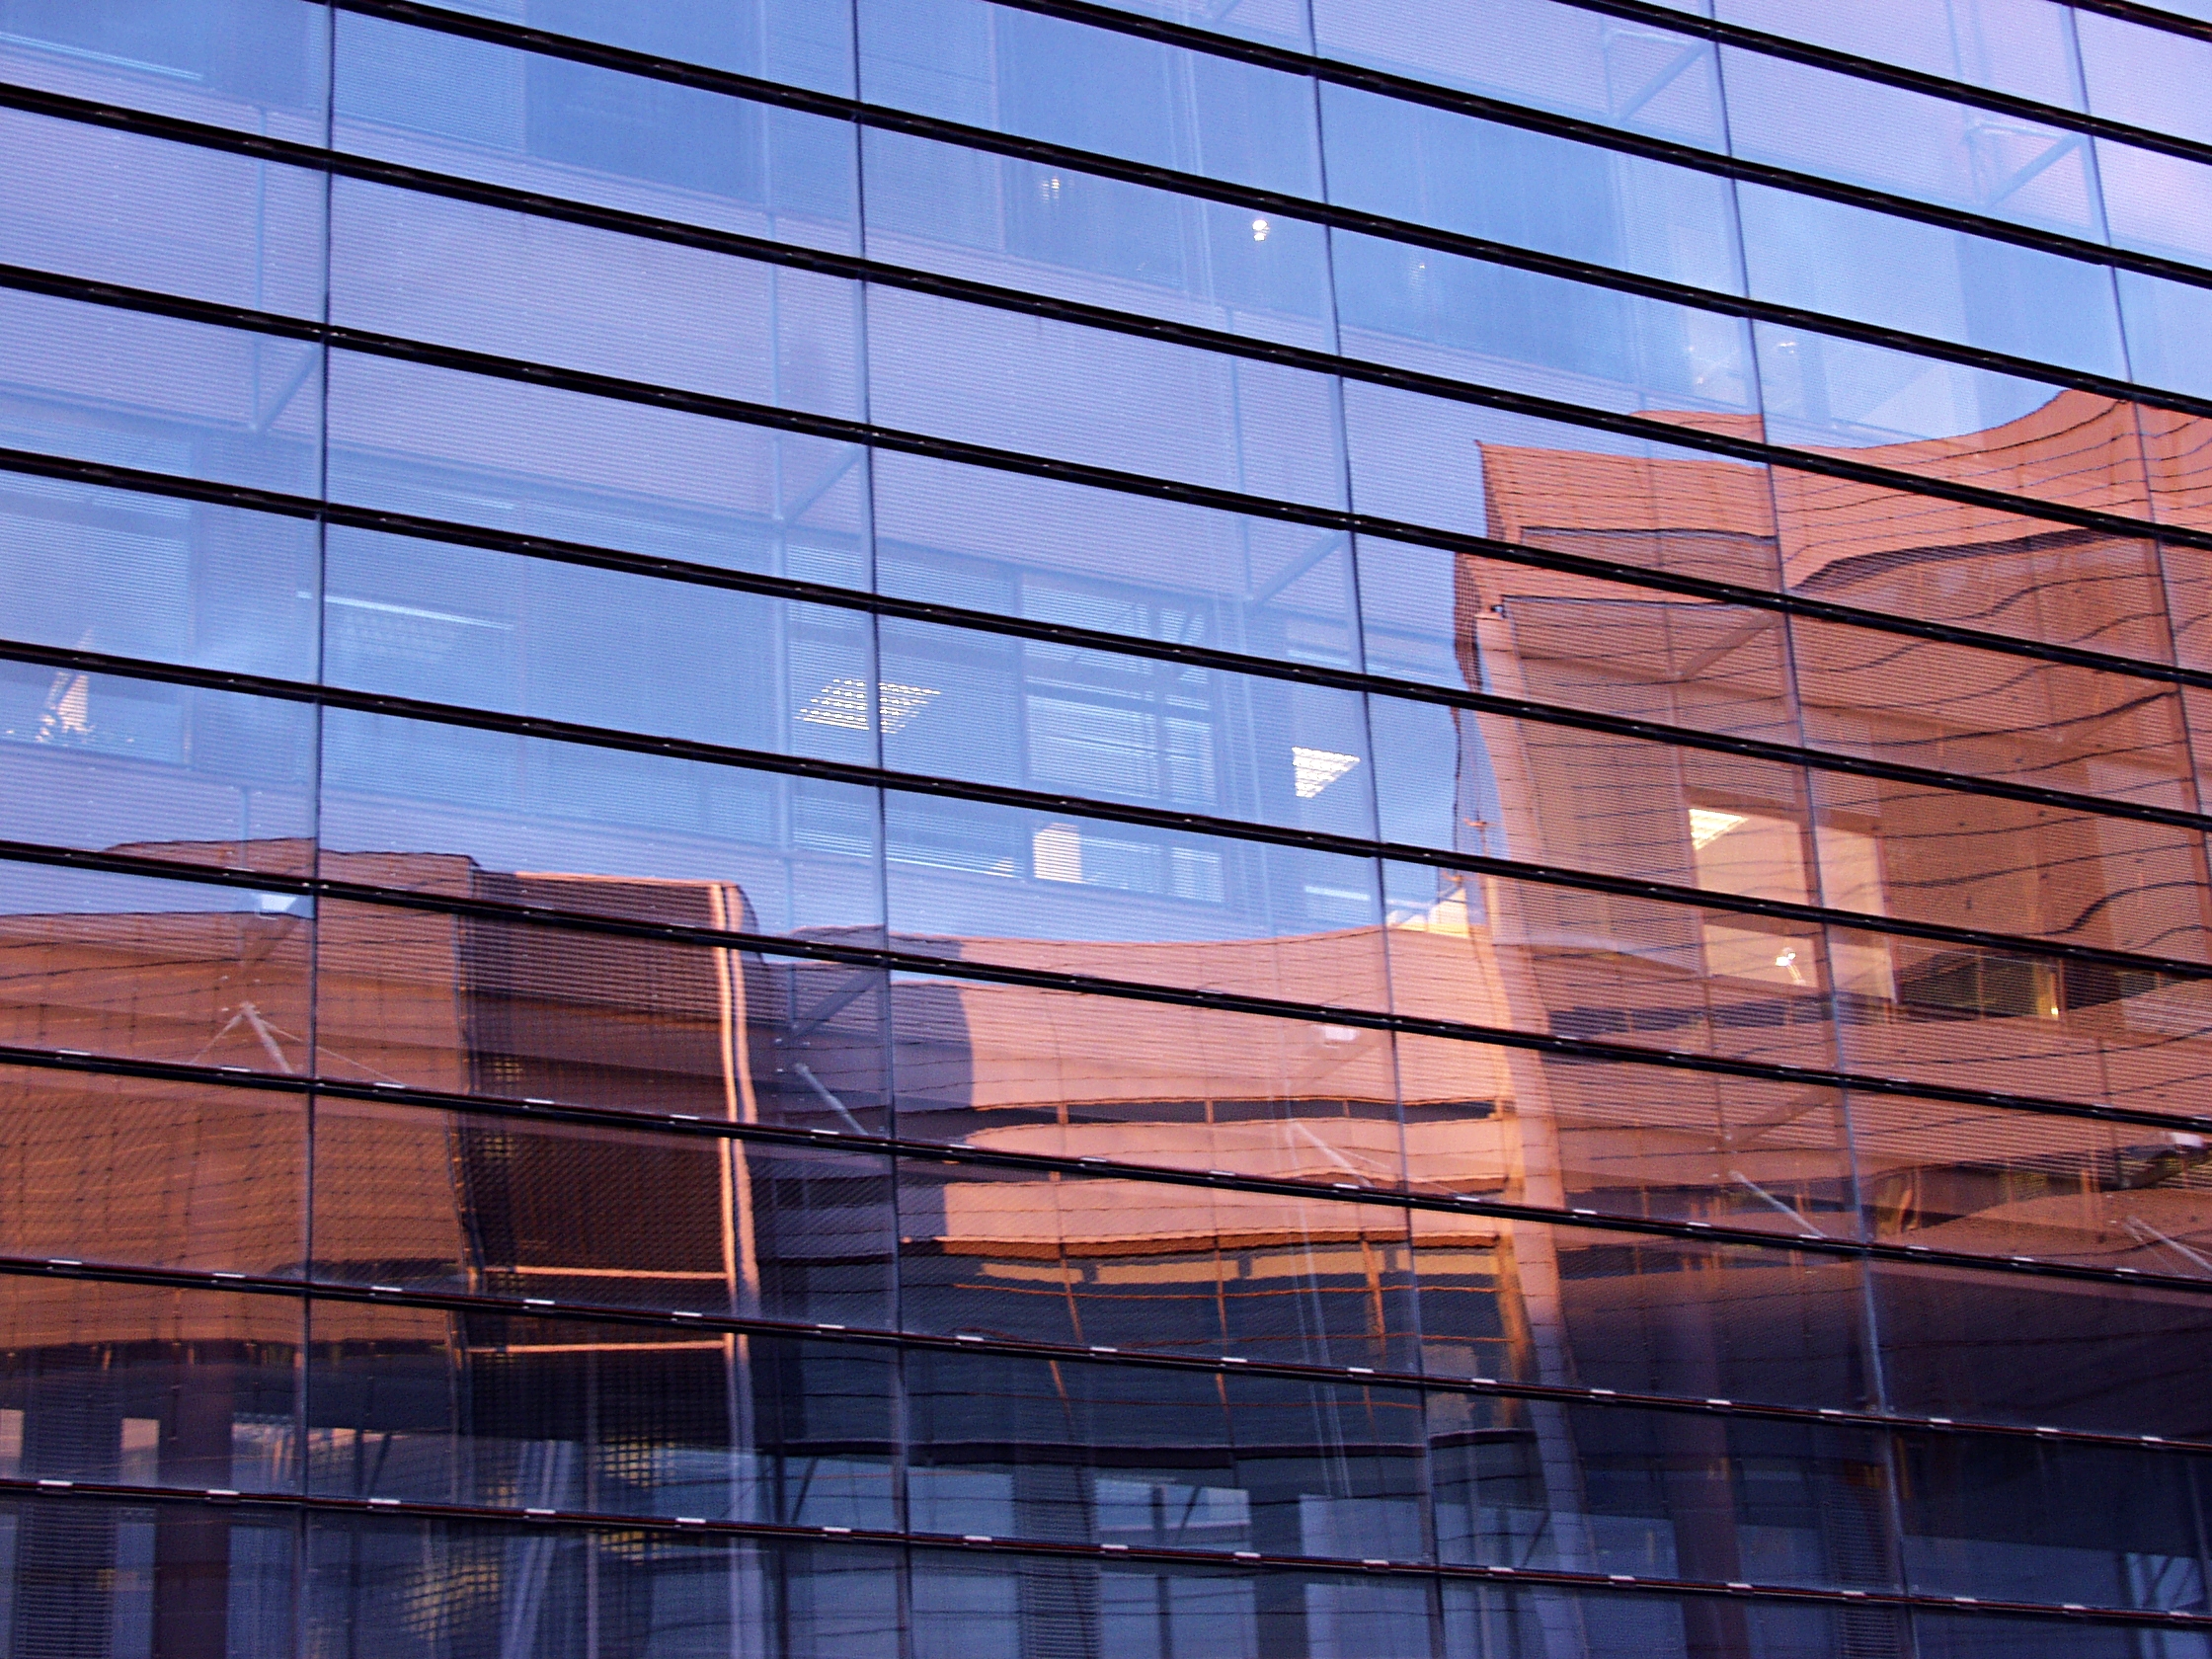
1058, 828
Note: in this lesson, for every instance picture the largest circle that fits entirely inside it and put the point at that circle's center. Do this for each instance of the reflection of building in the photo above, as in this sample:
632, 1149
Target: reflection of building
199, 1390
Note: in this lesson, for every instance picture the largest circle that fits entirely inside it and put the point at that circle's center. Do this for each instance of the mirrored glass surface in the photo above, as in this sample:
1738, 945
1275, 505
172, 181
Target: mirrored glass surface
137, 1171
431, 1407
586, 132
1133, 1265
97, 383
724, 326
1528, 189
140, 212
260, 66
418, 1199
1054, 552
1034, 714
1099, 241
1037, 76
777, 40
1640, 1313
144, 1385
443, 1584
597, 830
144, 969
1556, 57
1069, 1453
1061, 391
530, 637
608, 473
96, 569
107, 762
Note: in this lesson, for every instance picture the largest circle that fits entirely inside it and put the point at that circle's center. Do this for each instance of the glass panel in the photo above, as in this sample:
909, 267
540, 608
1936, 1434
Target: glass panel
263, 65
1159, 1458
160, 1174
143, 1387
1028, 714
2156, 203
516, 1009
114, 1574
718, 325
563, 642
2040, 1521
1012, 1068
535, 461
1062, 553
2142, 76
1277, 23
1910, 145
154, 970
430, 1407
2040, 872
1493, 325
595, 830
806, 44
1927, 280
1469, 622
2020, 47
1985, 1018
1623, 1139
1534, 1302
160, 772
1037, 386
1921, 557
2166, 330
1494, 1622
2069, 1353
145, 576
2175, 447
1556, 57
1090, 89
101, 385
1051, 231
1528, 189
1611, 967
587, 133
441, 1588
1084, 896
1969, 1178
484, 1206
139, 212
964, 1608
1154, 1267
1660, 1494
1454, 466
1995, 432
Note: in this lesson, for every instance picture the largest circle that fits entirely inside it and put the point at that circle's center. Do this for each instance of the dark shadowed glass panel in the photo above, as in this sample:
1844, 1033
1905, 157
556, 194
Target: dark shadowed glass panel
1532, 1301
430, 1407
493, 1206
139, 1386
92, 1574
1161, 1458
2064, 1353
442, 1589
1660, 1494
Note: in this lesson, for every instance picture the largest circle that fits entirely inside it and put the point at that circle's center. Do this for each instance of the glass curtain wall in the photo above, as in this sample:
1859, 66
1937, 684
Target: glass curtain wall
1056, 828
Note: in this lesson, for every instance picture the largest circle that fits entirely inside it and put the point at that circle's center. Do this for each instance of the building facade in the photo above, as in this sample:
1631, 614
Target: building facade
1058, 828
